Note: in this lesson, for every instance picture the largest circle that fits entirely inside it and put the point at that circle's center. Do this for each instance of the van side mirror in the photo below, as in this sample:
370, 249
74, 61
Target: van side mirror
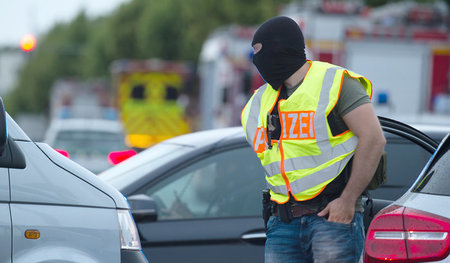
11, 155
3, 128
143, 208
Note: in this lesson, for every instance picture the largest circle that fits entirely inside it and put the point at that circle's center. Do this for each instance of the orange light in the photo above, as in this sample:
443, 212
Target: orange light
27, 42
32, 234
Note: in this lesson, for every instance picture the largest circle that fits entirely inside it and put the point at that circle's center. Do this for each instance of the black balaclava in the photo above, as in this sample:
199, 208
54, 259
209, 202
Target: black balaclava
283, 50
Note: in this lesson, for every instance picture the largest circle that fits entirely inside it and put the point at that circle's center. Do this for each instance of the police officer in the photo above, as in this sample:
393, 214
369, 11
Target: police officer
314, 129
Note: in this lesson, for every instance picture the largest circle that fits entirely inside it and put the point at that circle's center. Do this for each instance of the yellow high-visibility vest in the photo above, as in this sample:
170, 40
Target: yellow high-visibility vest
307, 156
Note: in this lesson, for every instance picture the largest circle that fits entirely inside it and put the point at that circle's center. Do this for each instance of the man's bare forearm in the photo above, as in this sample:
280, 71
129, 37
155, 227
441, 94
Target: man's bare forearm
365, 162
367, 154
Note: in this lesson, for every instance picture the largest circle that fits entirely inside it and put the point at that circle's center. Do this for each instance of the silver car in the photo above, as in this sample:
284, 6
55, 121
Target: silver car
416, 227
88, 142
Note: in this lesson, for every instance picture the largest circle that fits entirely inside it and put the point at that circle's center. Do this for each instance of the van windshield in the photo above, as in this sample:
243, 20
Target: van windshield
14, 130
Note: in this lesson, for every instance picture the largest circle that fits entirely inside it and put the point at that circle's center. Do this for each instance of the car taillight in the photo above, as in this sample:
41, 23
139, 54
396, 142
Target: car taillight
65, 153
401, 234
118, 157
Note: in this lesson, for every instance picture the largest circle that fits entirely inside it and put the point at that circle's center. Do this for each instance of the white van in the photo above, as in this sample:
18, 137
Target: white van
53, 210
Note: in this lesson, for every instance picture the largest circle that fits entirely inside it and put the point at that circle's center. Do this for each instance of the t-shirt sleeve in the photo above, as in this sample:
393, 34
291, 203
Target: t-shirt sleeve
352, 96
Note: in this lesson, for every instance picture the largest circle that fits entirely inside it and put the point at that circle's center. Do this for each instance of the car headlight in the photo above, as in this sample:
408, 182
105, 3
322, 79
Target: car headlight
129, 237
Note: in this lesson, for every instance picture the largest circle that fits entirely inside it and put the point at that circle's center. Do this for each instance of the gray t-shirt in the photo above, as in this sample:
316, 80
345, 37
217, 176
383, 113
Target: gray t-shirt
352, 95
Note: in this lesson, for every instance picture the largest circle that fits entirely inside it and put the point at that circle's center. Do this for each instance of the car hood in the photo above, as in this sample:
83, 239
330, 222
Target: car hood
85, 175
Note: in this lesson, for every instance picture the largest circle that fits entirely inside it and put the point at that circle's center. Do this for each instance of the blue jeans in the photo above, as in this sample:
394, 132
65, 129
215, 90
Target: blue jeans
314, 239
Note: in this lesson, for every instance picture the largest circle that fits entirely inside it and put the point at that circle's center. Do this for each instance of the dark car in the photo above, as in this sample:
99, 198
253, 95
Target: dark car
197, 197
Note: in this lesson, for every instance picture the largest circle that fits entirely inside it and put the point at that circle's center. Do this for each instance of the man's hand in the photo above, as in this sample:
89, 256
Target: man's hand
340, 210
363, 122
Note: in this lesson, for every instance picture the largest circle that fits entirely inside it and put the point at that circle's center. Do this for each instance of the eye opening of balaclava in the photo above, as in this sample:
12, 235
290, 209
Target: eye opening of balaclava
282, 52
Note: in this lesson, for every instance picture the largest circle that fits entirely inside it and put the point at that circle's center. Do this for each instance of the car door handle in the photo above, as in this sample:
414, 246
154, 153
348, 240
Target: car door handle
256, 238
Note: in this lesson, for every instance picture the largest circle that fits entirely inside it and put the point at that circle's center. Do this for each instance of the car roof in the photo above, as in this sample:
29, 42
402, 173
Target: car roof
208, 137
228, 135
86, 124
433, 130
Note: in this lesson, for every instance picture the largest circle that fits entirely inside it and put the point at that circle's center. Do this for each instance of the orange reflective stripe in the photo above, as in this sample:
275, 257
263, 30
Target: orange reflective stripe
278, 95
283, 172
260, 140
298, 125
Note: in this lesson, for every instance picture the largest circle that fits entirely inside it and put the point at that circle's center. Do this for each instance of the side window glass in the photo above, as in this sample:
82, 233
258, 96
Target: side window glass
405, 161
227, 184
435, 179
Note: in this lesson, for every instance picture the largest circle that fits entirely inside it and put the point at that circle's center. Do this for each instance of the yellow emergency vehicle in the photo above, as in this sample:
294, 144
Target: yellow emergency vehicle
147, 94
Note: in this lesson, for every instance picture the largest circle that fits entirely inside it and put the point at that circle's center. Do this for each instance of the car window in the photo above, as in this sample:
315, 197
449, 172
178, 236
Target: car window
138, 166
405, 161
435, 179
226, 184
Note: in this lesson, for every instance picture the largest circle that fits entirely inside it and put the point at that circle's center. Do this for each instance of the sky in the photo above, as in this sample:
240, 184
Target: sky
20, 17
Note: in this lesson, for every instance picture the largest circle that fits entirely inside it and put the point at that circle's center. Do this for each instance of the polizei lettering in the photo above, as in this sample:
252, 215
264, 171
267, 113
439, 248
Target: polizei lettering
297, 125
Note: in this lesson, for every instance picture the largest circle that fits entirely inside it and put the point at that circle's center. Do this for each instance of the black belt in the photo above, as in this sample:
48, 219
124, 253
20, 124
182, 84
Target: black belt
300, 210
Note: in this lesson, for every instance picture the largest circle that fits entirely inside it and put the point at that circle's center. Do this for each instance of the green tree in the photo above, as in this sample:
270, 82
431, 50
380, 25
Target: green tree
112, 37
140, 29
56, 56
160, 30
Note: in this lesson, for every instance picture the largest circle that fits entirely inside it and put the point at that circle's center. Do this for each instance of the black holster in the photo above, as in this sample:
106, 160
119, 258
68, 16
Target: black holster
285, 212
267, 207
